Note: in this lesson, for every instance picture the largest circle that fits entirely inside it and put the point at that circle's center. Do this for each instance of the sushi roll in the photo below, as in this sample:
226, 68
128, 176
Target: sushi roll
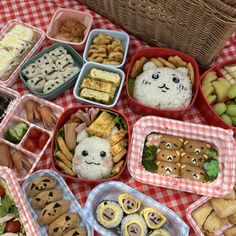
109, 214
133, 225
159, 232
153, 218
129, 203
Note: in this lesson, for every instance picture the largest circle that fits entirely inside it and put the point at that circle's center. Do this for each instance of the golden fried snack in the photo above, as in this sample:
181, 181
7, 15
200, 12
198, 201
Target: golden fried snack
191, 73
64, 159
101, 39
107, 61
138, 67
117, 167
156, 62
166, 63
115, 56
177, 61
65, 168
97, 49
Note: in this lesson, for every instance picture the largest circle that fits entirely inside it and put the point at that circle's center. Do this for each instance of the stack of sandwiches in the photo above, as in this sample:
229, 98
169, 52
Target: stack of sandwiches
217, 215
229, 72
100, 86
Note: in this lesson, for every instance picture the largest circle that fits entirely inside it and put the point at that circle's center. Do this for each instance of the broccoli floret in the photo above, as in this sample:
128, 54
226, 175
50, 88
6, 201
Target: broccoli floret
212, 168
212, 153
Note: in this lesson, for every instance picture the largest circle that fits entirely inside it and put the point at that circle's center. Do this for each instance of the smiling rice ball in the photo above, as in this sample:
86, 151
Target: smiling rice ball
92, 158
109, 214
163, 88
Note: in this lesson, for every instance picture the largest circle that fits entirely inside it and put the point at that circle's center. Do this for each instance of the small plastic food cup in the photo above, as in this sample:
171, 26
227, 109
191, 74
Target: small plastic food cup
64, 14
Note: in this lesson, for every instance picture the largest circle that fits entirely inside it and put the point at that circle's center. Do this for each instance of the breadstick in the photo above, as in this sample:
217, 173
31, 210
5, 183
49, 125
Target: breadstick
191, 72
138, 67
156, 62
65, 169
120, 155
166, 63
117, 167
64, 159
63, 148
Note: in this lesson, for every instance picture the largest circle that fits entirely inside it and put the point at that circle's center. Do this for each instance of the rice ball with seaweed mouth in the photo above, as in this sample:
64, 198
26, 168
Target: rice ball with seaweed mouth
164, 88
109, 214
92, 158
133, 225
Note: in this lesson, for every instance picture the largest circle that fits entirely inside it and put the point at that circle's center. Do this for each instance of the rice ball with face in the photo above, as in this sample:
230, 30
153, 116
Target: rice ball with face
163, 88
92, 158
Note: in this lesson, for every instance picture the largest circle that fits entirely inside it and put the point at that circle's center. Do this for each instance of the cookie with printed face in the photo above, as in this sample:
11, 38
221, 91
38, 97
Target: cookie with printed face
171, 142
168, 155
168, 168
191, 172
57, 53
40, 184
43, 61
195, 146
31, 71
63, 224
193, 159
78, 231
65, 62
46, 197
37, 83
153, 139
51, 85
52, 211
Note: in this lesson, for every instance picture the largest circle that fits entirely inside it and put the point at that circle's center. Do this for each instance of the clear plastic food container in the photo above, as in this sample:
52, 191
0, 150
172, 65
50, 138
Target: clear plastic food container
111, 190
18, 115
40, 36
222, 139
67, 194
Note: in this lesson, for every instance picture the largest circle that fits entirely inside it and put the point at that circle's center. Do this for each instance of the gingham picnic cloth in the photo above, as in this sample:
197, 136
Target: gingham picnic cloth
16, 192
39, 13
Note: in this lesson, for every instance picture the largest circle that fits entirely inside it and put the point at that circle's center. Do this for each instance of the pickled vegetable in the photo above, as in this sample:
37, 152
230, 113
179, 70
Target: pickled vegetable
231, 110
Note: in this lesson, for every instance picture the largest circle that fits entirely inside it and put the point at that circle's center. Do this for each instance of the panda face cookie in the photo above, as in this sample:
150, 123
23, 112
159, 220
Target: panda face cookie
193, 159
65, 62
168, 155
52, 211
31, 71
46, 197
171, 142
50, 85
63, 224
57, 53
197, 147
40, 184
191, 172
168, 168
37, 83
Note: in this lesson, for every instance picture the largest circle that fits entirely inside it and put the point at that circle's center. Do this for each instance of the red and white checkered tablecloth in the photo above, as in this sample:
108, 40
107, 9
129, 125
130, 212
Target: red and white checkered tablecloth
39, 13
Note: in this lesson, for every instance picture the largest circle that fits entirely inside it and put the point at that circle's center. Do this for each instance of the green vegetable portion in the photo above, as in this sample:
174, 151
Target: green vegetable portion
16, 133
149, 158
131, 86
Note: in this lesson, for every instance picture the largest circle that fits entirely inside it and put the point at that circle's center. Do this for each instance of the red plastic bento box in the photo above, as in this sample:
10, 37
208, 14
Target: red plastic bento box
160, 52
63, 118
205, 108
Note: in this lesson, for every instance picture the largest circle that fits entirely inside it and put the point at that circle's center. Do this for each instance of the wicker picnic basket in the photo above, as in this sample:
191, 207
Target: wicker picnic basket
197, 27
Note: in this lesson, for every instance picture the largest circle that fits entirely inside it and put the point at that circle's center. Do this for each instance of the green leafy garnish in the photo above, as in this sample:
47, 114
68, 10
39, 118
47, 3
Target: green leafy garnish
149, 158
131, 86
61, 133
212, 153
212, 168
2, 228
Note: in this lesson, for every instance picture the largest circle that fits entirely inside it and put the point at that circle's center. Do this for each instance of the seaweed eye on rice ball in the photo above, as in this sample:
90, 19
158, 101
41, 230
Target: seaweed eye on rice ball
109, 214
164, 88
92, 158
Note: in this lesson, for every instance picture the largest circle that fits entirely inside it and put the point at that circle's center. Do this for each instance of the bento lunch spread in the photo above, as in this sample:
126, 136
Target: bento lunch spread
92, 144
180, 157
10, 222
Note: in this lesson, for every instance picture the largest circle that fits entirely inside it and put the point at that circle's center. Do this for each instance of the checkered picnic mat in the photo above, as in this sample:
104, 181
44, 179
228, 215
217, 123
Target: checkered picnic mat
38, 13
